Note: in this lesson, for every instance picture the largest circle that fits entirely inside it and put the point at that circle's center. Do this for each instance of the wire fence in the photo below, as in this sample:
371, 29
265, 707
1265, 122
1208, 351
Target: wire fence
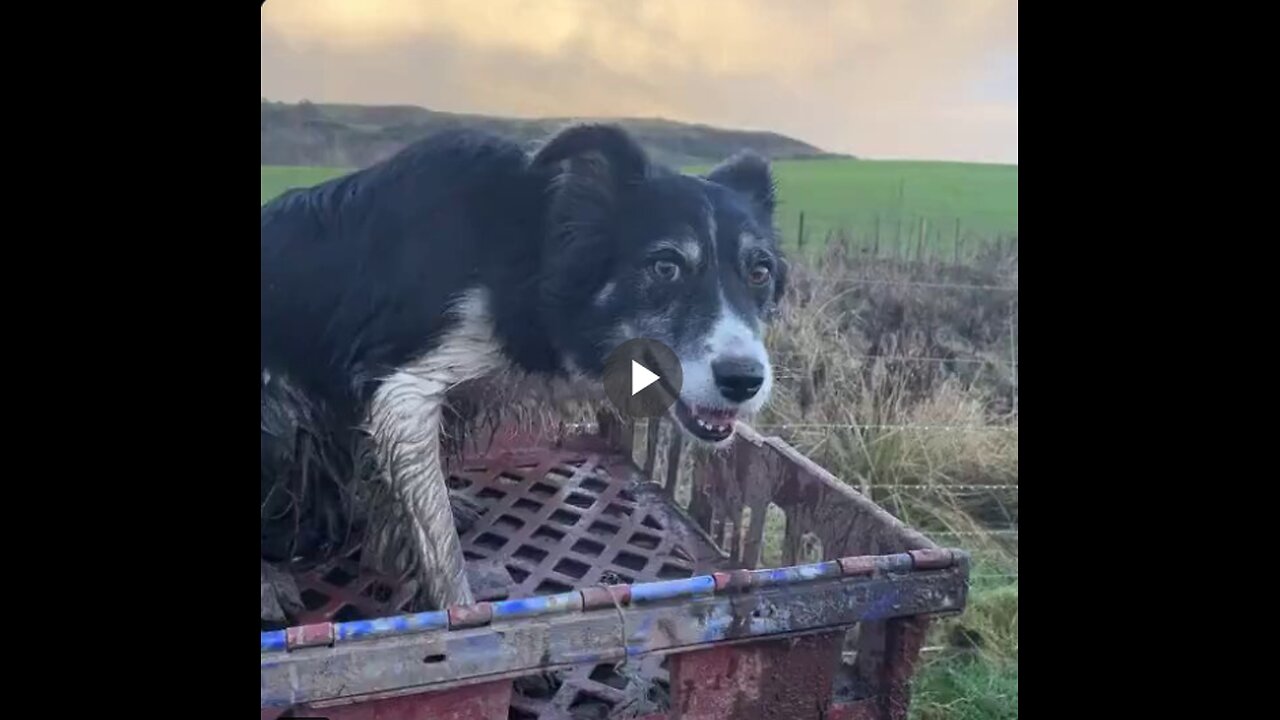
941, 265
902, 235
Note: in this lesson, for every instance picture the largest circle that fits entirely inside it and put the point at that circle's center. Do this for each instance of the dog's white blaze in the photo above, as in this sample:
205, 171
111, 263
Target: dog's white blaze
729, 336
404, 421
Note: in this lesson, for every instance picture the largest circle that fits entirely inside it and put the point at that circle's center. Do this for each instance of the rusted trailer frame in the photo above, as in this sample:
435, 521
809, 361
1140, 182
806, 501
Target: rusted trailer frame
771, 642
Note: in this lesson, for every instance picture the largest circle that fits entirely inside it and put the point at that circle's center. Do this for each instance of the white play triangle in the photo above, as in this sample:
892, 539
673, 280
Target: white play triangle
641, 377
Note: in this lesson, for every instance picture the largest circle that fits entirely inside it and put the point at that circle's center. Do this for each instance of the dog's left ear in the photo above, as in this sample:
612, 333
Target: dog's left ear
589, 169
601, 153
749, 174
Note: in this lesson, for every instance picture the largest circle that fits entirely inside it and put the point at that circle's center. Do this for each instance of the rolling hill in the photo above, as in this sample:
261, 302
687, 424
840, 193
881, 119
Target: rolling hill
354, 136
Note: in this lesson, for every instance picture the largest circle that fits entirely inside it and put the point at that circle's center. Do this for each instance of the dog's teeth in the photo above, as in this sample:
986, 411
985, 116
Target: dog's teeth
714, 427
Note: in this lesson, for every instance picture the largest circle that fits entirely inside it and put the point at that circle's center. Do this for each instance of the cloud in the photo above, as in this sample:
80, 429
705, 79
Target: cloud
908, 78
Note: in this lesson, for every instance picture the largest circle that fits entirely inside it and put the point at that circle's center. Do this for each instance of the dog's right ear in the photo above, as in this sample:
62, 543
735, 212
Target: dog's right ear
748, 173
603, 155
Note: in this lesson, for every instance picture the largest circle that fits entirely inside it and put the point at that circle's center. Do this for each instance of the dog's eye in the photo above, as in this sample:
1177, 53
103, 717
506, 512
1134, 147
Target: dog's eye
666, 270
759, 275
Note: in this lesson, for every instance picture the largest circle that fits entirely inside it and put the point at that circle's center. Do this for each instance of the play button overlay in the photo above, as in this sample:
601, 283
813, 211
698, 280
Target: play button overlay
642, 378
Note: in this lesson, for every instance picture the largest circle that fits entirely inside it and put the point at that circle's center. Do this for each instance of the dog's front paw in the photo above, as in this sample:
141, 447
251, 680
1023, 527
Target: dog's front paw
466, 512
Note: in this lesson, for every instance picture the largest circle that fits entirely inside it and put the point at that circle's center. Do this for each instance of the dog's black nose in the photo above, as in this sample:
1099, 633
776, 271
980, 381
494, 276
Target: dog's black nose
738, 378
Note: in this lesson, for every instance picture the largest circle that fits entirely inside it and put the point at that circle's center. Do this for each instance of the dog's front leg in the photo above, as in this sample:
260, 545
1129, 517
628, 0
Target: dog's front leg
405, 424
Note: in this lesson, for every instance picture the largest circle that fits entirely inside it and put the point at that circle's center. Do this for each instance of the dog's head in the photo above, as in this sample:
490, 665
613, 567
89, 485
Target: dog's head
638, 251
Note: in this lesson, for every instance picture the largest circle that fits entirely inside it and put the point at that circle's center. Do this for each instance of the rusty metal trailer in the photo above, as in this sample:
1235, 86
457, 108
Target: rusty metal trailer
626, 602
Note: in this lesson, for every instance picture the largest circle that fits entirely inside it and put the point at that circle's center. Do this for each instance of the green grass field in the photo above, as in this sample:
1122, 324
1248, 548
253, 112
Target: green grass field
276, 179
857, 196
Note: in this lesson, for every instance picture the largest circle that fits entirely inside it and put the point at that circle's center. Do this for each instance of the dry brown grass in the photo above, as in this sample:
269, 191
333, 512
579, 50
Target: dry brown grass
900, 375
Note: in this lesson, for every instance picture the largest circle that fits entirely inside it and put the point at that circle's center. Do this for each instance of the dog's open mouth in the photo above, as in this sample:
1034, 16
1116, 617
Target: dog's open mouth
709, 424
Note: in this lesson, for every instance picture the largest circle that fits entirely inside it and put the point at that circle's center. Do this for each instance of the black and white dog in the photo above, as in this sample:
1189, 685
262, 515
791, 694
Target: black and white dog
461, 258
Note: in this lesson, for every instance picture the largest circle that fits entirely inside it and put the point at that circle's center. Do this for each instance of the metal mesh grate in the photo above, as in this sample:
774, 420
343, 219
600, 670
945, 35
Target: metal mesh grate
638, 689
560, 521
340, 591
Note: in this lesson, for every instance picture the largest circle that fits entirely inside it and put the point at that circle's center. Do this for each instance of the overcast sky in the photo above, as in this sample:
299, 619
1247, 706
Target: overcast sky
931, 79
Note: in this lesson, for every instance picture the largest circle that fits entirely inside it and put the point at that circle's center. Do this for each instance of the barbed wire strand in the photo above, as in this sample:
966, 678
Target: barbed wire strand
917, 283
937, 488
855, 426
907, 358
